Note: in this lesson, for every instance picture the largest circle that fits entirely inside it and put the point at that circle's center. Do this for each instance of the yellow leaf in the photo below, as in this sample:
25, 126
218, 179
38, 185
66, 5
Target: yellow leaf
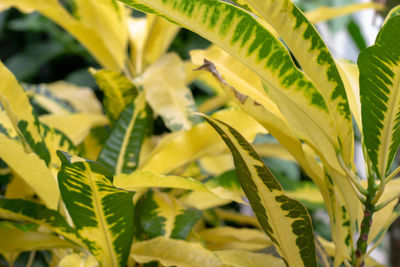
32, 170
76, 126
166, 92
171, 252
242, 258
199, 141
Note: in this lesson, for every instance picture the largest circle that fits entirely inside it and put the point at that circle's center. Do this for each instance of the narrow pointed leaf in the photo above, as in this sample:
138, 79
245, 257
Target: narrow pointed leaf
16, 240
121, 151
101, 213
16, 103
380, 96
315, 60
285, 220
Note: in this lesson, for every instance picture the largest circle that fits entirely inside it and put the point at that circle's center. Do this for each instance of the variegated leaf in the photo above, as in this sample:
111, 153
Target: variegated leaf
18, 209
164, 84
101, 213
118, 90
245, 37
76, 126
285, 220
380, 97
315, 60
121, 151
162, 215
31, 169
16, 104
48, 101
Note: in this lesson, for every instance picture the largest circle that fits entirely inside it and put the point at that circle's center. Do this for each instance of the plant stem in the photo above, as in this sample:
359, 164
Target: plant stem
362, 242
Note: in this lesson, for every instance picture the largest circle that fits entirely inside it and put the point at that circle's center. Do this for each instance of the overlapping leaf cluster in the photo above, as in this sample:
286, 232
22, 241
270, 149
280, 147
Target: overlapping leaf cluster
93, 183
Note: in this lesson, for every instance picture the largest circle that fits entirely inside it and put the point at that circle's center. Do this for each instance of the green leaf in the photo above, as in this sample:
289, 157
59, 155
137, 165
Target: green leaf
162, 214
285, 220
118, 90
122, 149
380, 96
101, 213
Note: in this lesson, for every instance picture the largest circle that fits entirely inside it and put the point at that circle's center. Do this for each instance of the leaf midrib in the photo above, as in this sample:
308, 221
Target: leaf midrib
100, 214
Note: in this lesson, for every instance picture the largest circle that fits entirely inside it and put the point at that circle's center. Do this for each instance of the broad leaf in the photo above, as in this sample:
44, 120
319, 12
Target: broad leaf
171, 252
118, 90
242, 258
224, 237
121, 151
199, 141
75, 126
245, 37
101, 213
380, 97
164, 84
285, 220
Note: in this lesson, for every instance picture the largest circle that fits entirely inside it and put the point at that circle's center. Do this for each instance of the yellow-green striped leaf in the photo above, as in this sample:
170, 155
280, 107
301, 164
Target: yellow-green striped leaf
101, 213
380, 96
121, 151
18, 209
315, 60
16, 103
245, 37
171, 252
118, 90
42, 96
162, 215
164, 84
285, 220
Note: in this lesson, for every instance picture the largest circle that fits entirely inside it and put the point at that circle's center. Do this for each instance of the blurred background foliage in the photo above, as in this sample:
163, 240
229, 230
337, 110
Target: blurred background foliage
37, 51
